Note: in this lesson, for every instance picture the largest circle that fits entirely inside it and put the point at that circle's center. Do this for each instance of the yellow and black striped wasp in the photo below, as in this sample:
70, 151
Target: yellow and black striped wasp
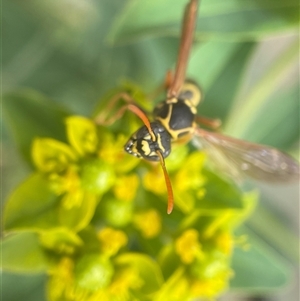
176, 120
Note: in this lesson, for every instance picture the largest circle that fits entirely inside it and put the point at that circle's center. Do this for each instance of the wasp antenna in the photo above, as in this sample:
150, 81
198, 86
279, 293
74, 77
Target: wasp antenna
136, 110
168, 183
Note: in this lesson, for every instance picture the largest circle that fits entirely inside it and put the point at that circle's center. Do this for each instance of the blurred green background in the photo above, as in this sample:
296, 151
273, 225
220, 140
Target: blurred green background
246, 58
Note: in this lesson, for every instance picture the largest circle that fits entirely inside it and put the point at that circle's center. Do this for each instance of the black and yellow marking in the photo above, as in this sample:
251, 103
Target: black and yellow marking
174, 122
191, 91
141, 144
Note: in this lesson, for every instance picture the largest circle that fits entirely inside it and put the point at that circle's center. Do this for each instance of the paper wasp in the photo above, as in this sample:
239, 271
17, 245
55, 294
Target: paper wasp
176, 119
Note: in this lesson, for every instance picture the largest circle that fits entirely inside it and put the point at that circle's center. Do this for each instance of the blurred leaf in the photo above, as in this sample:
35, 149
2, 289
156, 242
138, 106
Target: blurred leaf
207, 62
168, 260
22, 253
30, 287
31, 206
230, 196
167, 289
29, 114
218, 19
244, 112
282, 130
220, 74
60, 240
79, 216
146, 18
260, 269
247, 20
147, 269
270, 227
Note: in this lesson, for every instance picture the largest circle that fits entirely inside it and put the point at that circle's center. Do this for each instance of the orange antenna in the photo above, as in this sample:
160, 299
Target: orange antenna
136, 110
168, 183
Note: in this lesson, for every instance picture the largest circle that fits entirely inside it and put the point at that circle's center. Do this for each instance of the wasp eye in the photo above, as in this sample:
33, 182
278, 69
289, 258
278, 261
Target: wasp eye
131, 147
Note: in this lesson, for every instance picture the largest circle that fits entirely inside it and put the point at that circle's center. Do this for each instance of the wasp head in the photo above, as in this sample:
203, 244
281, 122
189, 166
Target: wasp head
141, 144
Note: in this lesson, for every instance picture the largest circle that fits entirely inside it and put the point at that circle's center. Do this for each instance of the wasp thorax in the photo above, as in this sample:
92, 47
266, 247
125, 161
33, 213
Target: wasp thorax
141, 143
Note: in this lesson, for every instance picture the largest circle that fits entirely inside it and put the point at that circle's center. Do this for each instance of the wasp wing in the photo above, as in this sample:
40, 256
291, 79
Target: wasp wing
260, 162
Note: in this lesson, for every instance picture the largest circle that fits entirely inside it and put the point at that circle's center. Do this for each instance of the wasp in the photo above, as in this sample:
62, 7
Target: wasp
175, 119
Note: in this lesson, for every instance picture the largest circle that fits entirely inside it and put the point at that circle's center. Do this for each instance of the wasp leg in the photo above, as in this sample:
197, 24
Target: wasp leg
187, 34
103, 119
168, 79
164, 86
214, 124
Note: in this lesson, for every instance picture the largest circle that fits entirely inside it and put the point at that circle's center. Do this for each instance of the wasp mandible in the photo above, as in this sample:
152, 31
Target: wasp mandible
176, 120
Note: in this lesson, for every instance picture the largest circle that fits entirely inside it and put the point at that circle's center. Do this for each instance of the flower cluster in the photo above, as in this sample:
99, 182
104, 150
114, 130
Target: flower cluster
99, 216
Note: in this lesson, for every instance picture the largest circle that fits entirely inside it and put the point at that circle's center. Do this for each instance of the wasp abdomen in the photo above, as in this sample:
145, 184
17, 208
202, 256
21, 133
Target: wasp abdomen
192, 92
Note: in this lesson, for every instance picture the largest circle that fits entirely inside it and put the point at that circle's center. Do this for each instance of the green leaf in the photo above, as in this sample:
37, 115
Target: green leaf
29, 114
220, 194
61, 240
30, 287
273, 230
146, 18
247, 20
78, 216
260, 269
168, 260
32, 206
204, 73
282, 130
219, 73
22, 253
262, 99
146, 268
167, 290
218, 19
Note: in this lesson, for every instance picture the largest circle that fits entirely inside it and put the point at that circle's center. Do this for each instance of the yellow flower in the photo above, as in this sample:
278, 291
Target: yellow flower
125, 280
111, 151
61, 280
210, 288
188, 247
112, 240
50, 155
189, 175
72, 199
125, 187
82, 135
148, 222
154, 181
225, 242
70, 185
97, 184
